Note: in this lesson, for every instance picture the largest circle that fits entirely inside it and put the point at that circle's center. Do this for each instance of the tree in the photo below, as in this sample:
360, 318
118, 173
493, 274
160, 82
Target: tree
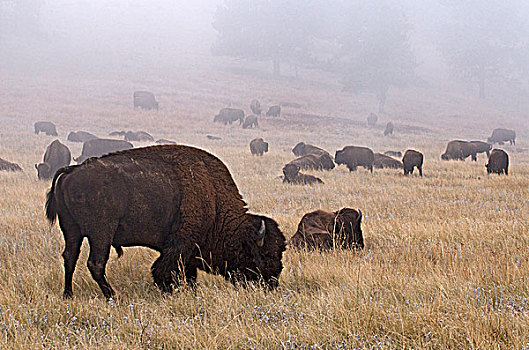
273, 30
485, 40
374, 50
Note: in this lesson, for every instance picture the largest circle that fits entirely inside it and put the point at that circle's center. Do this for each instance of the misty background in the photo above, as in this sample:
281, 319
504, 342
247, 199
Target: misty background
481, 48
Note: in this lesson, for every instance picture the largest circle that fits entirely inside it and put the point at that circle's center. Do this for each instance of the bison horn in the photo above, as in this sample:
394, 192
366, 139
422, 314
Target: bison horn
261, 235
359, 215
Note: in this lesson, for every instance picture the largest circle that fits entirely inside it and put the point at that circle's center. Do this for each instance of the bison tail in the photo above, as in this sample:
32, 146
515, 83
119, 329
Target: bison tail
51, 202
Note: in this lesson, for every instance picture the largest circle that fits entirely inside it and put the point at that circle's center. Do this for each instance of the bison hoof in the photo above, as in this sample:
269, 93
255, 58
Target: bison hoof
67, 294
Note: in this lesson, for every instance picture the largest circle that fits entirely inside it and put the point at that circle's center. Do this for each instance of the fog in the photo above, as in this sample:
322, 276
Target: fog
371, 46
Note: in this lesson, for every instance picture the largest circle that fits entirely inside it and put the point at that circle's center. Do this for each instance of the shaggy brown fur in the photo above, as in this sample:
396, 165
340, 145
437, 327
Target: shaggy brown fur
383, 161
498, 162
56, 156
145, 100
81, 136
178, 200
293, 176
353, 157
99, 147
258, 147
8, 166
412, 159
460, 150
46, 127
325, 230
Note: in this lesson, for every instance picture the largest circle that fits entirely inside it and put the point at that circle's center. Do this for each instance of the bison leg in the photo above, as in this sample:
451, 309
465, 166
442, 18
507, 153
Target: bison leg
172, 267
474, 157
73, 241
97, 262
420, 170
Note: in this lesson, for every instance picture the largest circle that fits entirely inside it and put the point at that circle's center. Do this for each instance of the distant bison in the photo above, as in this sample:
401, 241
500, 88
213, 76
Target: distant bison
460, 150
99, 147
393, 153
293, 176
250, 122
372, 119
138, 136
117, 133
274, 111
80, 136
255, 106
325, 230
353, 157
498, 162
178, 200
502, 135
56, 156
303, 149
258, 147
389, 129
46, 127
165, 142
145, 100
482, 147
229, 115
212, 137
383, 161
8, 166
321, 161
411, 160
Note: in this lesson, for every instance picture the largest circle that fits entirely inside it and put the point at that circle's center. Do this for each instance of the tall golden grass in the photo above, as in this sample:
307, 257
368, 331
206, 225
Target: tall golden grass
446, 257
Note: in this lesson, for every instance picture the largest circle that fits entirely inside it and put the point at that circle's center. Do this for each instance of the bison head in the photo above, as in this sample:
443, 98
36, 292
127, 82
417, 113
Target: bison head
348, 221
263, 245
43, 171
339, 157
444, 156
327, 162
290, 171
299, 149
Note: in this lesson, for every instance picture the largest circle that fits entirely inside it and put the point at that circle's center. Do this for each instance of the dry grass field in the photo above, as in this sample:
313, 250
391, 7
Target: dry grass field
446, 258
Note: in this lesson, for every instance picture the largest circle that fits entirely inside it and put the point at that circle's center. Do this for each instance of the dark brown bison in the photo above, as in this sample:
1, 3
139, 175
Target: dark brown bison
498, 162
8, 166
482, 147
389, 129
502, 135
178, 200
325, 230
229, 115
393, 153
258, 147
293, 176
303, 149
145, 100
250, 122
372, 119
165, 142
99, 147
460, 150
353, 157
56, 156
81, 136
255, 106
314, 162
274, 111
383, 161
412, 159
46, 127
138, 136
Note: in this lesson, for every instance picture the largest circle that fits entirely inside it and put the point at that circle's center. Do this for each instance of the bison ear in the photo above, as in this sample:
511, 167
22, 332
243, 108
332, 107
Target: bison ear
261, 234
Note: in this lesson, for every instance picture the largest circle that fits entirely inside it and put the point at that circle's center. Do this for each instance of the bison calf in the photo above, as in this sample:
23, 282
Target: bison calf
498, 162
258, 147
411, 160
46, 127
325, 230
293, 176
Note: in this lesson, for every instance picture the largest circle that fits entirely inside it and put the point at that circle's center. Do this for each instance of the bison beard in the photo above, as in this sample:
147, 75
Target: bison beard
178, 200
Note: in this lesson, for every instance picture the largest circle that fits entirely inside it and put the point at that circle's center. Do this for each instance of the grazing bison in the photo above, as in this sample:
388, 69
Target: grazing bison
99, 147
250, 122
482, 147
165, 142
258, 147
229, 115
56, 156
178, 200
138, 136
303, 149
117, 133
353, 157
502, 135
460, 150
212, 137
8, 166
314, 162
498, 162
46, 127
274, 111
293, 176
389, 129
393, 153
255, 106
412, 159
145, 100
383, 161
372, 119
325, 230
81, 136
